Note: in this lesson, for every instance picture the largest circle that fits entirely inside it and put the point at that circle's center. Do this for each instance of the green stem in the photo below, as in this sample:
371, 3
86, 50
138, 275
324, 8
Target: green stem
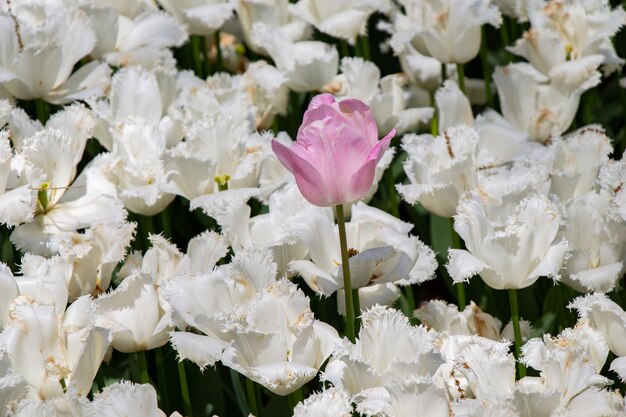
365, 47
357, 308
100, 382
219, 64
295, 397
144, 378
434, 122
42, 110
205, 56
162, 379
146, 228
357, 49
521, 370
444, 72
196, 46
460, 70
184, 388
239, 395
460, 286
484, 61
410, 301
506, 40
345, 264
165, 223
253, 401
344, 49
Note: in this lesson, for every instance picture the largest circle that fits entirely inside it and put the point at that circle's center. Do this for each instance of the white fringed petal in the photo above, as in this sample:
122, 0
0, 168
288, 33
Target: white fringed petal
200, 349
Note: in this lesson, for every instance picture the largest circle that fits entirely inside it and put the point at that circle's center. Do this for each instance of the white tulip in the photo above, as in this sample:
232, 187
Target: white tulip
231, 288
308, 65
453, 106
134, 315
515, 9
512, 255
200, 18
135, 166
16, 200
38, 57
450, 30
569, 381
387, 349
500, 141
418, 397
606, 316
383, 252
282, 347
576, 161
274, 14
440, 169
45, 280
275, 230
137, 92
564, 30
598, 249
234, 154
395, 106
125, 399
444, 317
539, 105
52, 352
358, 79
62, 203
8, 292
343, 19
268, 91
330, 402
94, 255
136, 36
612, 178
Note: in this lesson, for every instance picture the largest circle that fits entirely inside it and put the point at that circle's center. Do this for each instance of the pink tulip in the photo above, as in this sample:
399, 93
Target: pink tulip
337, 148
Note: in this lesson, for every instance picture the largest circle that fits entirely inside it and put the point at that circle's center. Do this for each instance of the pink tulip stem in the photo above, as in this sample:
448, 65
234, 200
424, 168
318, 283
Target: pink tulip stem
345, 264
521, 370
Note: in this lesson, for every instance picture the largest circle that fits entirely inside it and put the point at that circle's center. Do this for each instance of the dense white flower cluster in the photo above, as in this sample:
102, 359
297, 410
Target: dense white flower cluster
105, 129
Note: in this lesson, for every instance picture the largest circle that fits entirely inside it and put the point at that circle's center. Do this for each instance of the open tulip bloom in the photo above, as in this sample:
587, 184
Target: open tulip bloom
334, 161
336, 152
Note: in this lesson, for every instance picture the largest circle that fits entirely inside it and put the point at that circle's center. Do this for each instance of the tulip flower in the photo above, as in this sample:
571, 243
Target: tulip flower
336, 152
334, 161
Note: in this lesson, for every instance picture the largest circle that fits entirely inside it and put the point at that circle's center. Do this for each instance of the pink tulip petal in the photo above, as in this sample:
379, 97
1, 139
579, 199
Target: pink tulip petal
385, 142
320, 99
352, 105
308, 179
361, 181
337, 148
363, 178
